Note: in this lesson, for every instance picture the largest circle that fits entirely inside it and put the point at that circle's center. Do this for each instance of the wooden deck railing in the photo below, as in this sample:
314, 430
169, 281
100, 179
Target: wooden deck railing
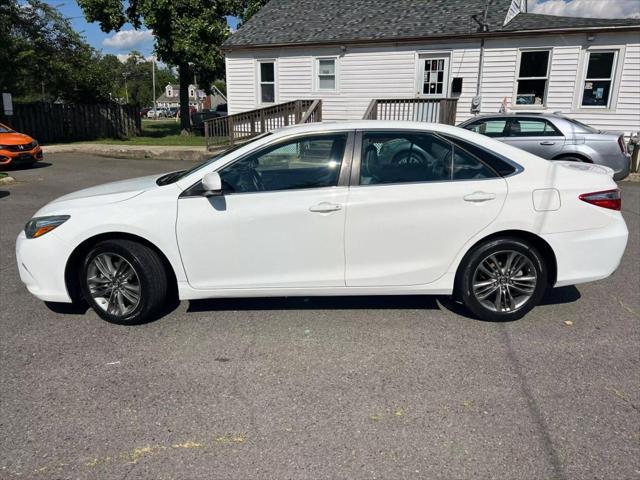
245, 125
413, 109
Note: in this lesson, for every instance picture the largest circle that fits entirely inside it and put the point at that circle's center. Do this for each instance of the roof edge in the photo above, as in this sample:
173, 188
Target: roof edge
474, 36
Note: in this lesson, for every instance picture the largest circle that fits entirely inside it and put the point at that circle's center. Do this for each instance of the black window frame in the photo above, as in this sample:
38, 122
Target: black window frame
482, 120
196, 189
555, 133
452, 140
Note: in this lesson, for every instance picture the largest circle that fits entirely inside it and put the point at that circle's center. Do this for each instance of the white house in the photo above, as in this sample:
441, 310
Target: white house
486, 53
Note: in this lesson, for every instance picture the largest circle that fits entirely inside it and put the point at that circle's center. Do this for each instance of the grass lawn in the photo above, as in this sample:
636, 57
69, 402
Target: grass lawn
158, 132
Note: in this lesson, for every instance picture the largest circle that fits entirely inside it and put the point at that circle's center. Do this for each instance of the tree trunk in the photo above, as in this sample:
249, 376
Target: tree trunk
185, 114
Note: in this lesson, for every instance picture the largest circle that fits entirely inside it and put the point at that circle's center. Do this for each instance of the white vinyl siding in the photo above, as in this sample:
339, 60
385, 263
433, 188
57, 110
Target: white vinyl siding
392, 71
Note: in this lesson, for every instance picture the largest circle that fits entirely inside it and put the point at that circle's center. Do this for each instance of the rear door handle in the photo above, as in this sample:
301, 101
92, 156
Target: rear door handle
479, 197
325, 207
547, 142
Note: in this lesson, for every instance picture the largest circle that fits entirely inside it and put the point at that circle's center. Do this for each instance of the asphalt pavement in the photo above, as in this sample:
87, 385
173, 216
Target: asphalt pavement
314, 388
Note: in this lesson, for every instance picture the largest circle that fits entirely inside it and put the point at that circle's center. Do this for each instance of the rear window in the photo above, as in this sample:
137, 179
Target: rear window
581, 126
497, 163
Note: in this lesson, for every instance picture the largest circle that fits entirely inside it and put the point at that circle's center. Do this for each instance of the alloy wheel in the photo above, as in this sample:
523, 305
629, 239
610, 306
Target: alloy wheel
504, 281
114, 284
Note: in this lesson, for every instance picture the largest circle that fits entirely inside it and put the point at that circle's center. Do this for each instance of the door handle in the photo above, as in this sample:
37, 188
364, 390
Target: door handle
325, 207
479, 197
547, 142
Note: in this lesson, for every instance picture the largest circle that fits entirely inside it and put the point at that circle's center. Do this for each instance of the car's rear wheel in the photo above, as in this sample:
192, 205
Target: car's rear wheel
124, 282
503, 279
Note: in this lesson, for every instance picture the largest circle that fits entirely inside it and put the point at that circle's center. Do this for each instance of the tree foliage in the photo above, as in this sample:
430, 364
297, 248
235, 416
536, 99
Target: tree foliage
188, 34
250, 8
40, 52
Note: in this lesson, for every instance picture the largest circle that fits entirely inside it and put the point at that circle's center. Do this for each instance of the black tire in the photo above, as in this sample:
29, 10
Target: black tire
151, 282
501, 249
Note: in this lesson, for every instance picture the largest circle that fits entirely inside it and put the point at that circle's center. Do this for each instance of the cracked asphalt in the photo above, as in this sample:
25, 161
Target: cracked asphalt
319, 388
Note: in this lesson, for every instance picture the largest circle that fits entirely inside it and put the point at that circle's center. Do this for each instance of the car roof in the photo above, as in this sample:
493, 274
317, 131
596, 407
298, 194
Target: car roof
336, 126
515, 115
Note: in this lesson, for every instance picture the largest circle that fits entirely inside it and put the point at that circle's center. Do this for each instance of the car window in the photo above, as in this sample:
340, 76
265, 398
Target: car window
491, 128
467, 167
308, 162
495, 162
4, 129
415, 157
526, 127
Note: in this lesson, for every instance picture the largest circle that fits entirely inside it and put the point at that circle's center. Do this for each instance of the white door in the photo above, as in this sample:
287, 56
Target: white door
280, 222
432, 82
419, 201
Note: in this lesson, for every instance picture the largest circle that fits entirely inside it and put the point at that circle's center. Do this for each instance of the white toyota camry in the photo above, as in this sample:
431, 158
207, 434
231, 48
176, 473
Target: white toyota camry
359, 208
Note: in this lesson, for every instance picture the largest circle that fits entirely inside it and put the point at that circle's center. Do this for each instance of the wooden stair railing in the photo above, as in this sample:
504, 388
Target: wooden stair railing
413, 109
245, 125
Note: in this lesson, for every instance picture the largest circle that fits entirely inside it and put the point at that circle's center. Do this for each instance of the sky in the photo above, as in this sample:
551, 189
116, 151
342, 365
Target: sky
121, 43
117, 43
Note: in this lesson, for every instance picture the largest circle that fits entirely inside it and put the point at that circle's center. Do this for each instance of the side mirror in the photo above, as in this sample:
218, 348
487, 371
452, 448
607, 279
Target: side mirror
212, 184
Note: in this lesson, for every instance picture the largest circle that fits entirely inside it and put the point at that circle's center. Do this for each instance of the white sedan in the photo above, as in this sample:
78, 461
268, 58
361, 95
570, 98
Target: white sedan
359, 208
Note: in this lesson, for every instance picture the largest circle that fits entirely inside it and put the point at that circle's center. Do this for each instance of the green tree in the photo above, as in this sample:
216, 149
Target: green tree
139, 79
250, 7
43, 58
188, 34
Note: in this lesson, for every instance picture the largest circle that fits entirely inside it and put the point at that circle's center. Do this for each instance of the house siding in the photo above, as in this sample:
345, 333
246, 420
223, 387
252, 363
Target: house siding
391, 71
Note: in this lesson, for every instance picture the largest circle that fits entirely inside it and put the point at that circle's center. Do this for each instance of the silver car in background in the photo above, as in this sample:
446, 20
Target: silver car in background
556, 137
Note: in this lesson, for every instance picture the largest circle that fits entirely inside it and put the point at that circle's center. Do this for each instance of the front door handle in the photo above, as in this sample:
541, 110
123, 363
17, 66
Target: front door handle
325, 207
547, 142
479, 197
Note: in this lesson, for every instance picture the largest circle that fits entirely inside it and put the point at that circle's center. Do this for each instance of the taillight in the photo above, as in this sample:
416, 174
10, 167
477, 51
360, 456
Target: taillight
623, 147
608, 199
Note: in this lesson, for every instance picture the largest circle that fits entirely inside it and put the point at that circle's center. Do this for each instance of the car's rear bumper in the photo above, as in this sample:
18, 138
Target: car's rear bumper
624, 170
620, 163
13, 158
588, 255
41, 263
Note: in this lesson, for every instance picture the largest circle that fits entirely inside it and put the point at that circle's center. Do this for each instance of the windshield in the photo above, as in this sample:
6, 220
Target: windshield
175, 176
5, 129
581, 125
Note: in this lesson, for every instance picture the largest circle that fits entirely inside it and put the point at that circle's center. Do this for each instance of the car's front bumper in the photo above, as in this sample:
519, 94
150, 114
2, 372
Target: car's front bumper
588, 255
12, 158
41, 263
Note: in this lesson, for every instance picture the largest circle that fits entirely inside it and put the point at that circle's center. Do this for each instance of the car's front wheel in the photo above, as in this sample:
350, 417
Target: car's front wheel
124, 281
503, 279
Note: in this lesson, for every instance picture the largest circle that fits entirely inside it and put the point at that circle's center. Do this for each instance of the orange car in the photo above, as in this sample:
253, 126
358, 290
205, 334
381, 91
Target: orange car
17, 147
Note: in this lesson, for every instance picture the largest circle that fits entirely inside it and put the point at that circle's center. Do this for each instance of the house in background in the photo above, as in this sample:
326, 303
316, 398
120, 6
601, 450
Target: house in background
487, 54
197, 97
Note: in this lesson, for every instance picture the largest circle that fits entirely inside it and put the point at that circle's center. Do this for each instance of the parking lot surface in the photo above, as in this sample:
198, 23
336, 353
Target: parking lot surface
318, 388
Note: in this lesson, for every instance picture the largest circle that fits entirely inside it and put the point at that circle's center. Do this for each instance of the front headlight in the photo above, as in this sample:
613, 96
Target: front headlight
38, 226
34, 144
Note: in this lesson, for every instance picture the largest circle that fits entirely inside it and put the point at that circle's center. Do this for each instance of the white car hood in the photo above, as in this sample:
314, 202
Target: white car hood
106, 193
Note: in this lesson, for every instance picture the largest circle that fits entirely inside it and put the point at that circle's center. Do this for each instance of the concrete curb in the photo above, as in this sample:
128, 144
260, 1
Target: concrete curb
134, 151
8, 180
633, 177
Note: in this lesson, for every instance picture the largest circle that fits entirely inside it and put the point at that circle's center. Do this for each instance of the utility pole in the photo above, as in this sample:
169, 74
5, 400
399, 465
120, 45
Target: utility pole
153, 77
126, 90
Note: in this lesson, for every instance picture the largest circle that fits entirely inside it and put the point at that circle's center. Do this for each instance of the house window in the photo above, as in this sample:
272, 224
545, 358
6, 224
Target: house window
435, 72
596, 90
533, 76
267, 80
326, 68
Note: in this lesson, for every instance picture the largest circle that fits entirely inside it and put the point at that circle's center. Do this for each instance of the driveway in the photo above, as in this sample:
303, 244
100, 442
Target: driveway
324, 388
